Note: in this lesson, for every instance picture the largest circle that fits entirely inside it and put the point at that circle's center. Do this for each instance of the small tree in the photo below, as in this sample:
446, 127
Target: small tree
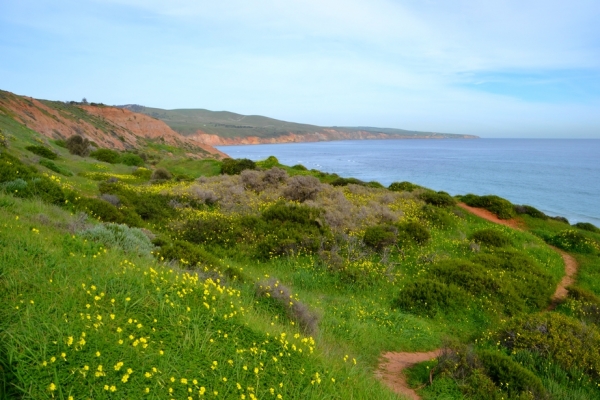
78, 145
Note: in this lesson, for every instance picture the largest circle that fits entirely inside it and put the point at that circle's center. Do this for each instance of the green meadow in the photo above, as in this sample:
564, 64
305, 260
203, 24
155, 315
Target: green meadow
147, 275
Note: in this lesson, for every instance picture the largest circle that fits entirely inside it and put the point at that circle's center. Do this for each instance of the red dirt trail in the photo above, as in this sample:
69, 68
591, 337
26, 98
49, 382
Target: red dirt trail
392, 365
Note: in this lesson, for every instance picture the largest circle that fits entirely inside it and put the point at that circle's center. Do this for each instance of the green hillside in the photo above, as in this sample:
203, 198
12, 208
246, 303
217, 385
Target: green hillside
231, 125
181, 278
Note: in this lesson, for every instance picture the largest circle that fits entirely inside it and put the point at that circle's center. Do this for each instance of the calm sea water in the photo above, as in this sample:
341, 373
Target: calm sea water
559, 177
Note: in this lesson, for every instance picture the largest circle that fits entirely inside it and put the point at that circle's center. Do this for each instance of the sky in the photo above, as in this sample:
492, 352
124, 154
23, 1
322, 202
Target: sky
511, 68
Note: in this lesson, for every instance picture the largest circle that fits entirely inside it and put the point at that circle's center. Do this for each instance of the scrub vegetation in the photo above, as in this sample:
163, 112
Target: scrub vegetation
255, 280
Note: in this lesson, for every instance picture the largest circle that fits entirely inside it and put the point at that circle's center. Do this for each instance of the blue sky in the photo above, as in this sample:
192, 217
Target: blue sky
490, 68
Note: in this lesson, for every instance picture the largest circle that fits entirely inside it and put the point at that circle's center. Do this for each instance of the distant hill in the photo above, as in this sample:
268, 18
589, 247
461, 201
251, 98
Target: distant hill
108, 127
224, 127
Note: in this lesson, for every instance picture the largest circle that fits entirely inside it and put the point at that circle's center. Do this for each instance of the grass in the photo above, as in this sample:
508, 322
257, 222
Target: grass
78, 295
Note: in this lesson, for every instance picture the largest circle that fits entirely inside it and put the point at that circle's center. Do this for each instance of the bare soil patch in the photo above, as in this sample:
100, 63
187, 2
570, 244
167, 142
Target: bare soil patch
391, 368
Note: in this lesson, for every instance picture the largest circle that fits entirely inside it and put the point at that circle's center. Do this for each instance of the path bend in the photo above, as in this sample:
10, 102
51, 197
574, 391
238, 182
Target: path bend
392, 365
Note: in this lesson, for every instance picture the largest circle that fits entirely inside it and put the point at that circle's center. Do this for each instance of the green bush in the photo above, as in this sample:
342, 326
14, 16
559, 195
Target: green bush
142, 173
232, 166
437, 217
132, 159
570, 343
502, 208
104, 211
572, 240
53, 167
77, 145
413, 232
299, 167
12, 168
188, 254
47, 190
269, 162
586, 226
106, 155
296, 213
439, 199
130, 240
347, 181
149, 206
511, 376
43, 151
403, 186
380, 236
491, 237
531, 211
522, 274
427, 297
480, 282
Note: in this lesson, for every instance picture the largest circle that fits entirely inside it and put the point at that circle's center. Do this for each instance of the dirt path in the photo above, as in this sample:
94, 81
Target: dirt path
391, 368
570, 270
485, 214
392, 365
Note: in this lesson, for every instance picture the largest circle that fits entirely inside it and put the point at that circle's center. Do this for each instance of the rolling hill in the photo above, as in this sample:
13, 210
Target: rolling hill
227, 128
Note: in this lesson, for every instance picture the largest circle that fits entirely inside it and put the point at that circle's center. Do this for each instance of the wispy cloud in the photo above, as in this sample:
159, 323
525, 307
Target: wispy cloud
490, 68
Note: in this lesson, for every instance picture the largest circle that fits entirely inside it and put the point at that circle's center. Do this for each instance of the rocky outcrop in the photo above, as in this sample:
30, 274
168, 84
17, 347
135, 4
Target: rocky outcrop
108, 127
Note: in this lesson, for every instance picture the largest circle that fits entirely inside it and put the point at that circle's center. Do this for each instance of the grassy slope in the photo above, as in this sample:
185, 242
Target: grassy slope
232, 125
57, 286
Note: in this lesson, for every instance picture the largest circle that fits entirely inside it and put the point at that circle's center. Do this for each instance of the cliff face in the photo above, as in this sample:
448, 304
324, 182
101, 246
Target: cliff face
109, 127
323, 136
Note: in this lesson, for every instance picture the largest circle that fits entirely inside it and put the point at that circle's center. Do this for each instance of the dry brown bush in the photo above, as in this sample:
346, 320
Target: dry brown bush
295, 310
302, 188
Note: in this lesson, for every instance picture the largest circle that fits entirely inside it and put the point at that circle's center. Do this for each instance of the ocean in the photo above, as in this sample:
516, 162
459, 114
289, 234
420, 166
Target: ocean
557, 176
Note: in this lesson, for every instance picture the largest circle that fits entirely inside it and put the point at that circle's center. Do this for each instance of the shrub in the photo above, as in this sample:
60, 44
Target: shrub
161, 174
403, 186
78, 145
47, 190
142, 173
53, 167
252, 180
293, 308
275, 176
586, 226
299, 167
570, 343
105, 211
60, 143
347, 181
510, 375
502, 208
130, 240
572, 240
531, 211
428, 297
491, 237
413, 232
232, 166
106, 155
188, 254
438, 217
296, 213
147, 205
43, 151
269, 162
380, 236
12, 168
439, 199
301, 188
132, 159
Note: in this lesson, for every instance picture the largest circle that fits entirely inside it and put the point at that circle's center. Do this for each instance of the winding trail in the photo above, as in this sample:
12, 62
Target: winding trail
392, 364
